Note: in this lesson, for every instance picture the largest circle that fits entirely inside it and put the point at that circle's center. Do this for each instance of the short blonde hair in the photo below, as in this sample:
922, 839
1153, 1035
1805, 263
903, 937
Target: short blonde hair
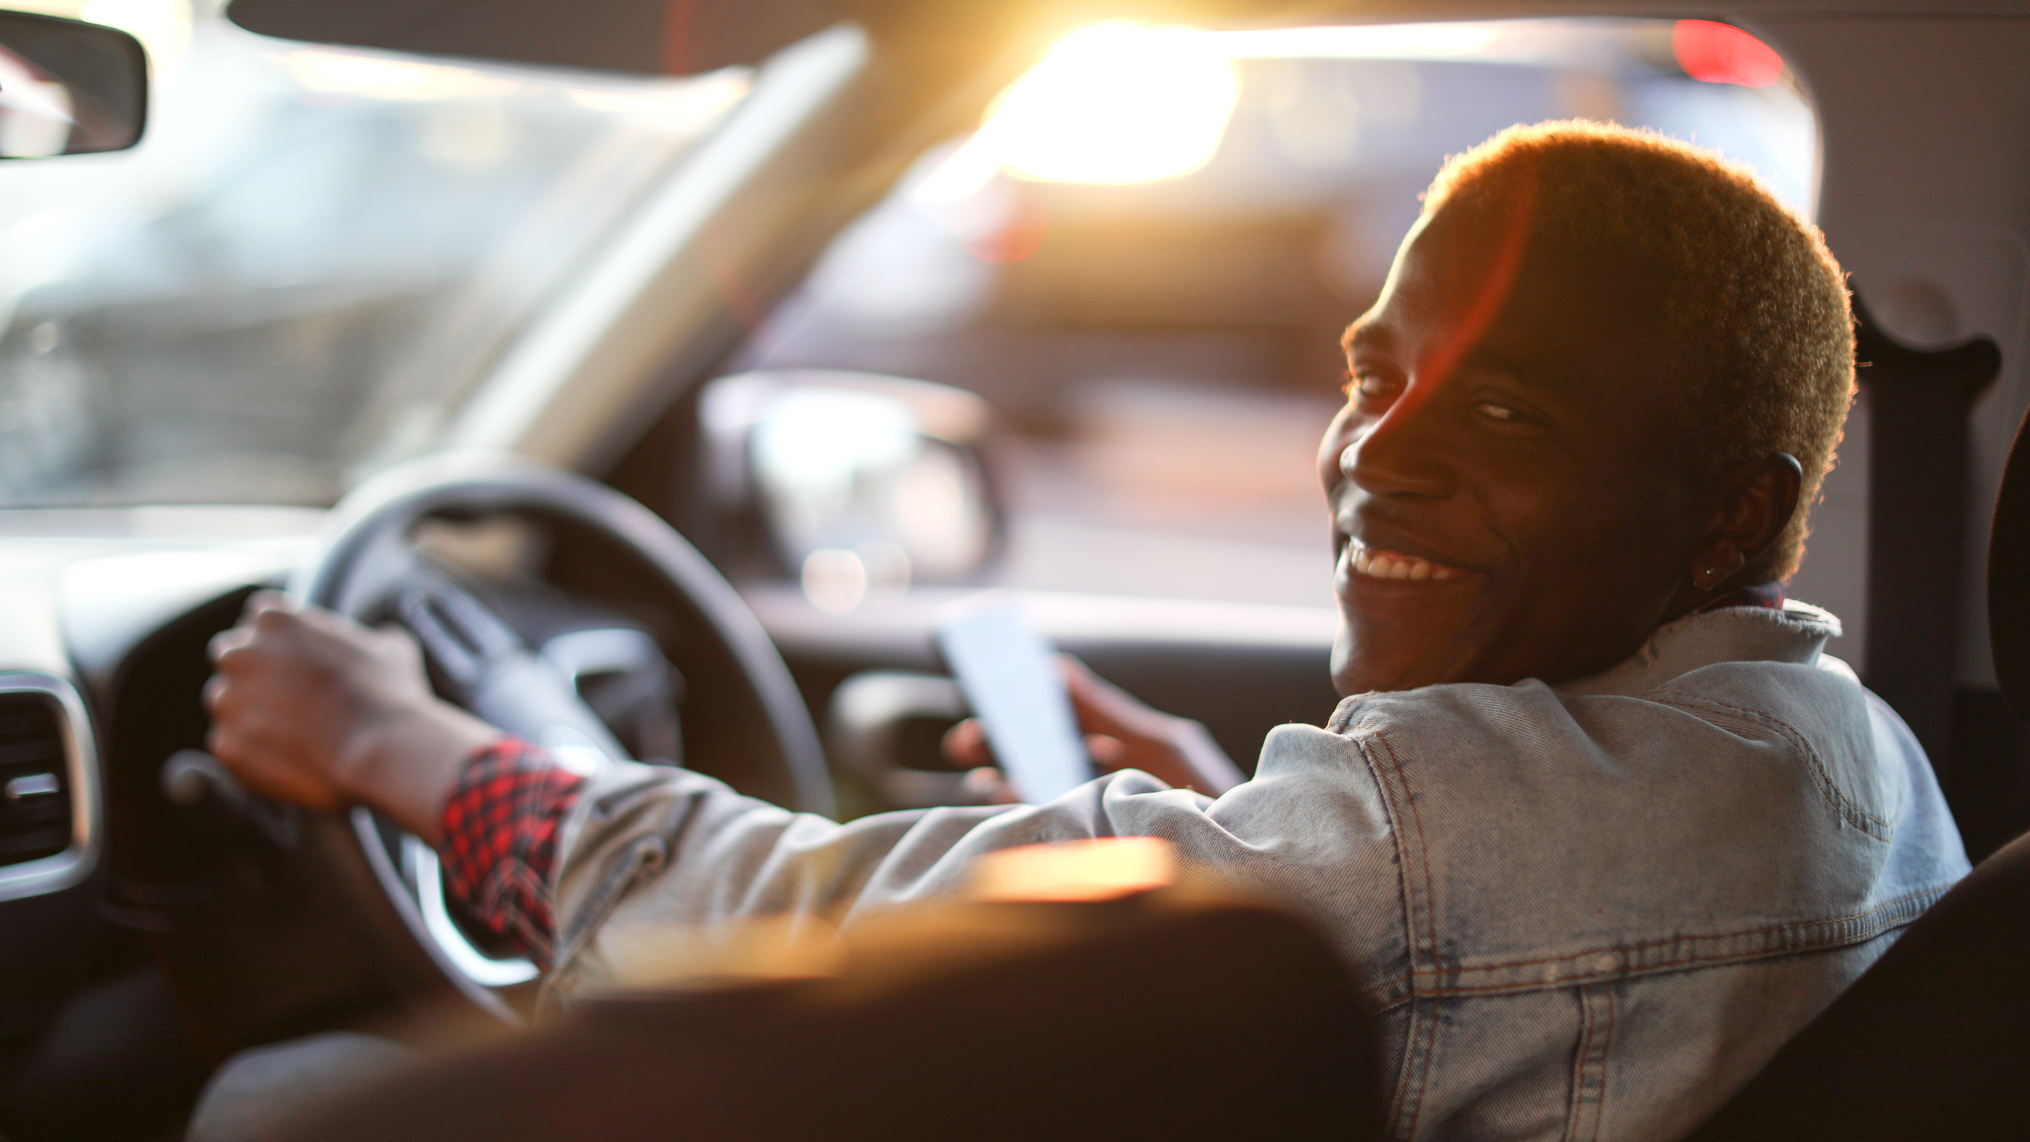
1754, 303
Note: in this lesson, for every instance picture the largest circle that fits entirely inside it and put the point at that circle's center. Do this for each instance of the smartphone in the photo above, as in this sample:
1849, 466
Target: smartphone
1010, 677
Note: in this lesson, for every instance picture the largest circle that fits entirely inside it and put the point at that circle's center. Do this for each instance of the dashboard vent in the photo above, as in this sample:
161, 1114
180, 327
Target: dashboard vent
35, 792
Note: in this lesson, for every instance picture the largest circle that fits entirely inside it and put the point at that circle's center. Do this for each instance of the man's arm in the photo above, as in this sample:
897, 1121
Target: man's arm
313, 708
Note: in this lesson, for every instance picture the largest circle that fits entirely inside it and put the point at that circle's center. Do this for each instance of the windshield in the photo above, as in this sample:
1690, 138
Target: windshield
312, 256
1145, 257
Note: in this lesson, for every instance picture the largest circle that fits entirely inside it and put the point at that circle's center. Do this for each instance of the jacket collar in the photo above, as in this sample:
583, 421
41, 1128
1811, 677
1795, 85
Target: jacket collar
1797, 634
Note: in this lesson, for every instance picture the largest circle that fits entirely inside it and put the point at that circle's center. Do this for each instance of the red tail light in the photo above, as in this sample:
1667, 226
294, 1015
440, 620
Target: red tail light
1723, 53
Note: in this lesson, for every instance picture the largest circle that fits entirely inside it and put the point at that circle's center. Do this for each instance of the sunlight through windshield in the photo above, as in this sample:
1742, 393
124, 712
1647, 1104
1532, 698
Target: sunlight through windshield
311, 258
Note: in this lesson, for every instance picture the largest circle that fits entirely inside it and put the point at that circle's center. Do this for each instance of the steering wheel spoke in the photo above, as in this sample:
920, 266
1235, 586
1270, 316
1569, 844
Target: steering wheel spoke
461, 636
496, 675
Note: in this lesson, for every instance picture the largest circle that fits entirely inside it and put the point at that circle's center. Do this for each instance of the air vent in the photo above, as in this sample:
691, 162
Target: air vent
35, 793
49, 796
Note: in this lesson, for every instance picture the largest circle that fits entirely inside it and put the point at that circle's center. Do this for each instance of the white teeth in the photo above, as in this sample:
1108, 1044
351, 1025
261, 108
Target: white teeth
1395, 565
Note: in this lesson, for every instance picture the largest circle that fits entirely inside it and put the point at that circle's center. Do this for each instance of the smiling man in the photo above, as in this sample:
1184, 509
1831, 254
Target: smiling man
1584, 405
1598, 820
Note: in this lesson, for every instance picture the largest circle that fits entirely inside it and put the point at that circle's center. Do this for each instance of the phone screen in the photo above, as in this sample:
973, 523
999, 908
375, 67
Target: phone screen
1011, 678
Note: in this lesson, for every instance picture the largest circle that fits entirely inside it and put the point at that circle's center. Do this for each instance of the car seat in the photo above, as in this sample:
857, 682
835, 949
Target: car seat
1933, 1041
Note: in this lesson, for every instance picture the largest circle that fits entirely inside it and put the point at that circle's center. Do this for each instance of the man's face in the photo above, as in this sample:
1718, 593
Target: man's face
1510, 496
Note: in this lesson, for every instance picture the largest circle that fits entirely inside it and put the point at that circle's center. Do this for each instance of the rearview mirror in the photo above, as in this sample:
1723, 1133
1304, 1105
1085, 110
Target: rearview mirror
68, 87
862, 484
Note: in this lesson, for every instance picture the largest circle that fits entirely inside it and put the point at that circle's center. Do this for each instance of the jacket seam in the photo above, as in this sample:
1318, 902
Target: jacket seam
1587, 1094
1419, 1057
1600, 1103
1575, 1092
1665, 966
1763, 931
1430, 919
1850, 812
1381, 992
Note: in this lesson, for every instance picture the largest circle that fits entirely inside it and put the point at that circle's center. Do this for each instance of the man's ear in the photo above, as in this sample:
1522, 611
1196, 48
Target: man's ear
1757, 500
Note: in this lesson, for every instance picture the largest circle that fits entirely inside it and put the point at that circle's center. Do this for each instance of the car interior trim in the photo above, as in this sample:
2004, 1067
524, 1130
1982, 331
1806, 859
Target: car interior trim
81, 769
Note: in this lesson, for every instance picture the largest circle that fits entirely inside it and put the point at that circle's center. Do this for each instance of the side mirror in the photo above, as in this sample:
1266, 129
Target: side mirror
68, 87
860, 484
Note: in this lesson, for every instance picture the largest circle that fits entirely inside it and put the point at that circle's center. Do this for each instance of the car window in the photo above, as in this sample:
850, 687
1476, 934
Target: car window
308, 261
1144, 258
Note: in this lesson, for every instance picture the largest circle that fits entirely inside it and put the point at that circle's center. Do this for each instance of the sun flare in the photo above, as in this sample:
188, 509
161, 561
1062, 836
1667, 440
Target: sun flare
1110, 103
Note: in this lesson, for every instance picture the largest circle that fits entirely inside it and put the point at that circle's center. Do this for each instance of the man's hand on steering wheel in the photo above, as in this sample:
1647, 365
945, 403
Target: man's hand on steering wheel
312, 708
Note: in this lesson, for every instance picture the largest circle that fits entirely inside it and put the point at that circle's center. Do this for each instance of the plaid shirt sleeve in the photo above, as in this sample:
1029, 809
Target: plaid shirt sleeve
500, 838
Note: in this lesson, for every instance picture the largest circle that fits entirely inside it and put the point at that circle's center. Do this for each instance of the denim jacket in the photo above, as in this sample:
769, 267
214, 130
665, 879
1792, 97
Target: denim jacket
1584, 911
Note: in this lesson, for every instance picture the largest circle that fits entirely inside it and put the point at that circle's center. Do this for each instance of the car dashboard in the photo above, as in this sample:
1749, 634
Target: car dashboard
101, 666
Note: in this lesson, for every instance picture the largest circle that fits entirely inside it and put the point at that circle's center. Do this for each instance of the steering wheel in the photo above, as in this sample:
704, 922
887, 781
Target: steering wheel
751, 727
